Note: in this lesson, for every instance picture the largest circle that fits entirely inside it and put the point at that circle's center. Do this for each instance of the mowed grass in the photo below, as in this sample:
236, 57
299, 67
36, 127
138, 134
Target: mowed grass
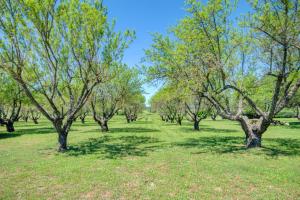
149, 159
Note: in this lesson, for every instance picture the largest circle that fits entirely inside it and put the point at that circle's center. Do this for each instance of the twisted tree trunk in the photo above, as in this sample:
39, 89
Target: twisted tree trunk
253, 129
104, 125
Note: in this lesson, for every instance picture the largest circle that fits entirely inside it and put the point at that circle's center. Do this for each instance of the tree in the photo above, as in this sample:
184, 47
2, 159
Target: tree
84, 113
25, 114
230, 65
196, 109
11, 97
134, 104
169, 104
35, 115
295, 104
58, 51
108, 98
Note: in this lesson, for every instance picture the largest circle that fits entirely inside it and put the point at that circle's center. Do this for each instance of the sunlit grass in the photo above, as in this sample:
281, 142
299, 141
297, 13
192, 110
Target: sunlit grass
149, 159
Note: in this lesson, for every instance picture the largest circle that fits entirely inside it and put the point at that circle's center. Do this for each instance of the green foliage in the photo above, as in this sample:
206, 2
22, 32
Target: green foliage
245, 65
69, 47
123, 90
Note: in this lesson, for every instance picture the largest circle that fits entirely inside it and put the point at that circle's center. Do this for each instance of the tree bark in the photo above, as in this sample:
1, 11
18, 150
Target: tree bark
2, 122
63, 131
298, 112
179, 121
213, 117
10, 126
253, 139
35, 121
62, 140
196, 125
254, 130
104, 126
26, 119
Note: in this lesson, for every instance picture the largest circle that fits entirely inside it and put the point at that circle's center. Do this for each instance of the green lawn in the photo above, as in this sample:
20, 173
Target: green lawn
149, 159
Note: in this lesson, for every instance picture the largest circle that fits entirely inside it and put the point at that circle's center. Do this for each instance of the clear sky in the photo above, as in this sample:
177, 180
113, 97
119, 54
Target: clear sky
146, 17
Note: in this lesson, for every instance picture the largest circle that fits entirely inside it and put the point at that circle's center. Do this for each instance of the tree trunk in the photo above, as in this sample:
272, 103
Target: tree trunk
253, 139
253, 131
2, 122
82, 120
179, 121
196, 125
213, 117
62, 140
62, 130
298, 112
104, 126
35, 121
10, 126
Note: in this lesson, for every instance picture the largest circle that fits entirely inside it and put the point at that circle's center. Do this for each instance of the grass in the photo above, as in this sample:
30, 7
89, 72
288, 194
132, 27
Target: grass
149, 159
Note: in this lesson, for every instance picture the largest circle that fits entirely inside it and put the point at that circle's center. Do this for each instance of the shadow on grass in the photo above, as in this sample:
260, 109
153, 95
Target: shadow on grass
28, 131
204, 129
8, 135
142, 122
113, 148
132, 130
79, 124
293, 125
272, 147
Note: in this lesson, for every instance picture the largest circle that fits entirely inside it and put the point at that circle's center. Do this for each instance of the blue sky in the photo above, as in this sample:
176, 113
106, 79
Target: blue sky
146, 17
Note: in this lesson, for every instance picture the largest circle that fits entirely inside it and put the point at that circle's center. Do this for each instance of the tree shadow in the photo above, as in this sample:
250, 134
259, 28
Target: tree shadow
204, 129
79, 124
294, 125
8, 135
143, 122
272, 147
132, 130
28, 131
114, 148
44, 130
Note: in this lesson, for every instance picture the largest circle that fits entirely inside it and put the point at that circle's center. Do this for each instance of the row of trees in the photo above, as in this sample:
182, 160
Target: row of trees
122, 93
62, 54
14, 104
249, 64
174, 105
